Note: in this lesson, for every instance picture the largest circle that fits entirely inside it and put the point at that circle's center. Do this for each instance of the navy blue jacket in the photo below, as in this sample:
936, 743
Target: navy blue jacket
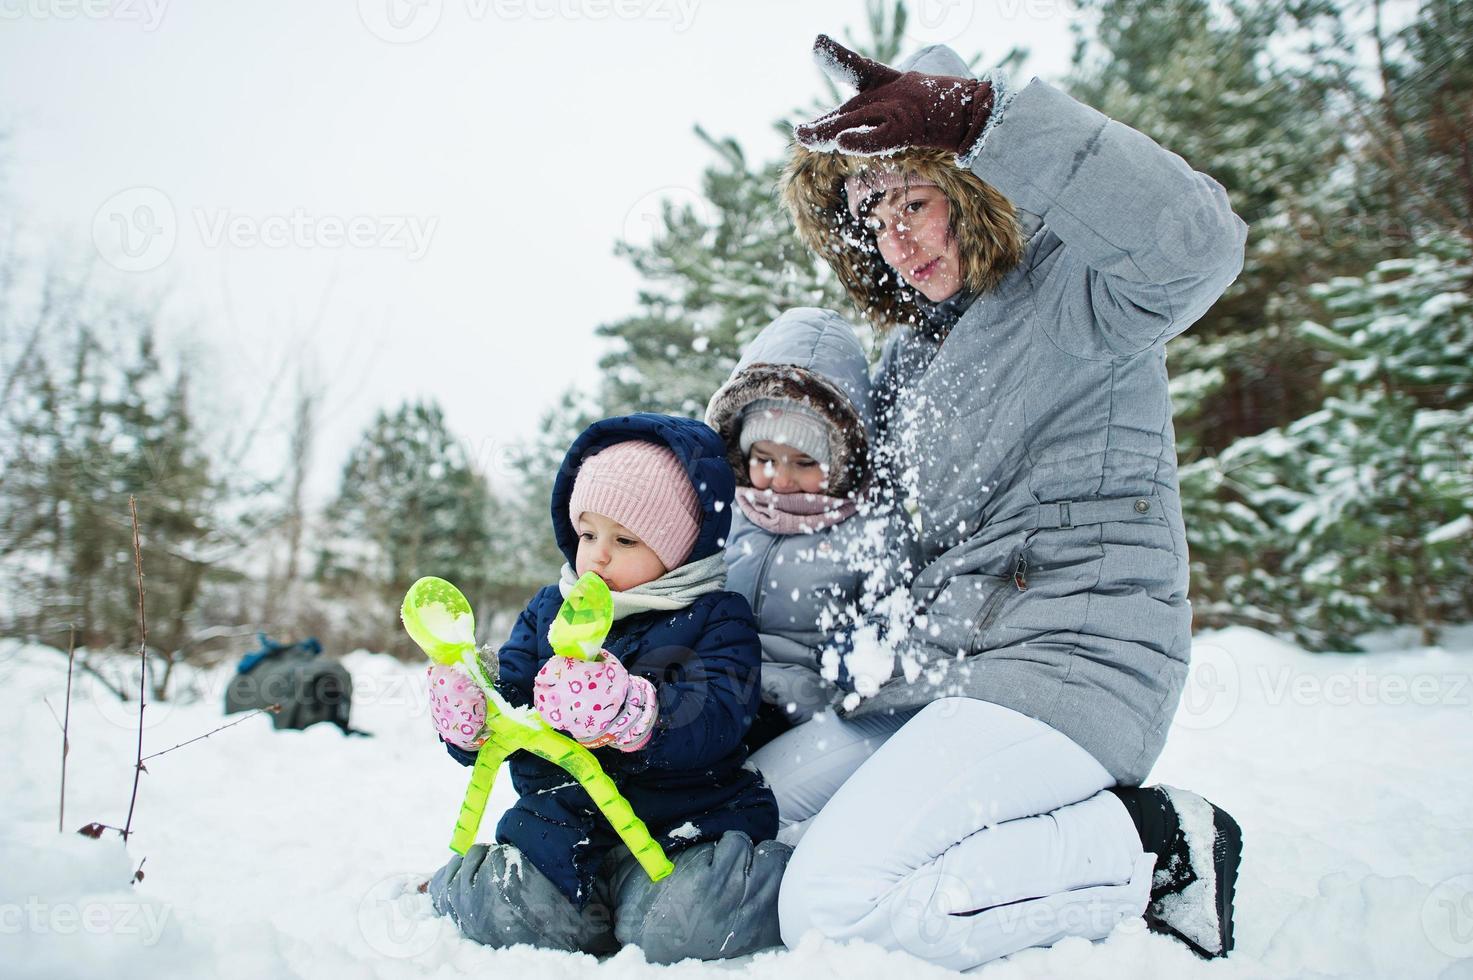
690, 783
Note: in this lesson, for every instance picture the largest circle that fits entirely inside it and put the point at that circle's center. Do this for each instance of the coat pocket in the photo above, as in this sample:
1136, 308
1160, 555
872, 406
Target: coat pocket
1064, 567
963, 611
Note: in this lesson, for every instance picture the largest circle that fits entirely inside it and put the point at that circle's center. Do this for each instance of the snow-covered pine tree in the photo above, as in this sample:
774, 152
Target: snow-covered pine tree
1370, 499
1257, 96
714, 277
709, 288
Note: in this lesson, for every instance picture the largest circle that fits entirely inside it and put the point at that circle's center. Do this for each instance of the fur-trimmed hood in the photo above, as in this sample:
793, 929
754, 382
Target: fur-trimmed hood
984, 221
810, 355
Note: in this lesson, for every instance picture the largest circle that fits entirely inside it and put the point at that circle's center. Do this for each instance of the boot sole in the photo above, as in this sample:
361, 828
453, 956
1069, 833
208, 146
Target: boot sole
1227, 855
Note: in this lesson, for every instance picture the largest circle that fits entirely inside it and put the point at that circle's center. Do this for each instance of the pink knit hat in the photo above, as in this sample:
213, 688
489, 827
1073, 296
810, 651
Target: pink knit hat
644, 487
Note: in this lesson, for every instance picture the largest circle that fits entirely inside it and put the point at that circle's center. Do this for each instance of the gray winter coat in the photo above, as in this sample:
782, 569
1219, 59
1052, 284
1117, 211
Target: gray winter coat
800, 585
1054, 559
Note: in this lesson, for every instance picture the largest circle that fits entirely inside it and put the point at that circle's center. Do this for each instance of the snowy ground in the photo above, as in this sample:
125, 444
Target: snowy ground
295, 854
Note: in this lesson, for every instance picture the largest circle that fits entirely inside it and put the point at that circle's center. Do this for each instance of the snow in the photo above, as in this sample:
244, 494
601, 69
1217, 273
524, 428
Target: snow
1193, 910
829, 62
1456, 528
456, 628
686, 831
299, 854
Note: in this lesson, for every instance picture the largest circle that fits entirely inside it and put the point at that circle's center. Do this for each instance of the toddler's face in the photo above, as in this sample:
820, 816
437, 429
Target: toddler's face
782, 469
616, 553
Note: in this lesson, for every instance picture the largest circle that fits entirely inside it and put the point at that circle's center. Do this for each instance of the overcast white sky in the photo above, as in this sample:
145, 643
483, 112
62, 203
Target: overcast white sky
414, 196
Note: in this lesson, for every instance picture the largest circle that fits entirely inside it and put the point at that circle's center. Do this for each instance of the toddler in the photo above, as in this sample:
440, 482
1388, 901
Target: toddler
644, 501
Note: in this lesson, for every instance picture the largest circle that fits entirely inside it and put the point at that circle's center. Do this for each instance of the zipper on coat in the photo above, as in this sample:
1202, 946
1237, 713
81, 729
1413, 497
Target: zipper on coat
1020, 574
994, 599
762, 576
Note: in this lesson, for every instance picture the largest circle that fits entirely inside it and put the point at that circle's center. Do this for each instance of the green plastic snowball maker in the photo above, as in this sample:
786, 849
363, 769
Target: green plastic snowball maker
440, 621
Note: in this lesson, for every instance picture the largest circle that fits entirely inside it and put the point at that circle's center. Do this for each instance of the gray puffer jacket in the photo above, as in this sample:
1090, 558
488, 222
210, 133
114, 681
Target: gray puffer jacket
1036, 436
805, 589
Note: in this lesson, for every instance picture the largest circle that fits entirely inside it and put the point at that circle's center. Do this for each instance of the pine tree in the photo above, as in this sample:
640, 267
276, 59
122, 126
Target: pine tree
409, 504
115, 423
1255, 96
710, 289
1371, 497
714, 277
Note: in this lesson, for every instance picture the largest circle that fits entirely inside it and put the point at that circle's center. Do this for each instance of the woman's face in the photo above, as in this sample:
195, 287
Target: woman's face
912, 227
782, 469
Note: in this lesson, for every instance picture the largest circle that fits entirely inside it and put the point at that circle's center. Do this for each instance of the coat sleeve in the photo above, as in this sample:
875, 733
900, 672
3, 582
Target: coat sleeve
521, 655
791, 679
1149, 244
709, 695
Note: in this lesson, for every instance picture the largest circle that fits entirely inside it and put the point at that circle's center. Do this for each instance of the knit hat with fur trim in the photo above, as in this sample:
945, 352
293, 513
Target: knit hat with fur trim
787, 422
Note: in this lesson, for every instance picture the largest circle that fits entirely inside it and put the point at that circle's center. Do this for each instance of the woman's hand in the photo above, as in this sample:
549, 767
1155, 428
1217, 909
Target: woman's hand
596, 702
895, 110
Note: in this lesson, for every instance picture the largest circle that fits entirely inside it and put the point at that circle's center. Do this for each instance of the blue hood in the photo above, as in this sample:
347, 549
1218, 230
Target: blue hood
694, 443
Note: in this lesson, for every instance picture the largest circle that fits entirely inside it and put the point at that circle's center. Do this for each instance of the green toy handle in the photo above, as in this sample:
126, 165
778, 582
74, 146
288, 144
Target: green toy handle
580, 763
508, 736
483, 777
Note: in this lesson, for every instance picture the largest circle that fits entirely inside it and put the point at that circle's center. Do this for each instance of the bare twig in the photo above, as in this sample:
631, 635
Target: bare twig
71, 656
103, 679
54, 717
143, 664
270, 708
138, 875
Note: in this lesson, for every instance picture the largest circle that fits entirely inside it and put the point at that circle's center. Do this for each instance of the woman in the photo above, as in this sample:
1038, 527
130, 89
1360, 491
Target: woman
1028, 259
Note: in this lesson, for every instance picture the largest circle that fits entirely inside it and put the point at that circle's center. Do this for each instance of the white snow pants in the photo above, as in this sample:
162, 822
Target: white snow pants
971, 832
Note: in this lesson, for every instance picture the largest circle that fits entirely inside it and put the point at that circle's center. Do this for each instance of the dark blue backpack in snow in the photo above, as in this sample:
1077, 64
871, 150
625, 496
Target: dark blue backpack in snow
309, 687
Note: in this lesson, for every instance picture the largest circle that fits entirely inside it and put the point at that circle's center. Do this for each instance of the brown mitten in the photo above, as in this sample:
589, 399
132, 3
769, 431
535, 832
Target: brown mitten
895, 110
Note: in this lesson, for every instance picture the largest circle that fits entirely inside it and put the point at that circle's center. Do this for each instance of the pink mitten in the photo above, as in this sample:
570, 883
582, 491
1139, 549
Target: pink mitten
457, 706
596, 701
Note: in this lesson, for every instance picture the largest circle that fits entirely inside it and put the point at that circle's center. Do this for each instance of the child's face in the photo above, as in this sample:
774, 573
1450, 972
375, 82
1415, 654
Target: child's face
615, 553
782, 469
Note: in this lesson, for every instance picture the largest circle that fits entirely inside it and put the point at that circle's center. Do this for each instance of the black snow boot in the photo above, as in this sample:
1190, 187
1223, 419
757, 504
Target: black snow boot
1198, 848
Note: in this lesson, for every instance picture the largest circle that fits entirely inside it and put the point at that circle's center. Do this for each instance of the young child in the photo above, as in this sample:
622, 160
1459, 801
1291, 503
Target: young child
644, 501
796, 419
